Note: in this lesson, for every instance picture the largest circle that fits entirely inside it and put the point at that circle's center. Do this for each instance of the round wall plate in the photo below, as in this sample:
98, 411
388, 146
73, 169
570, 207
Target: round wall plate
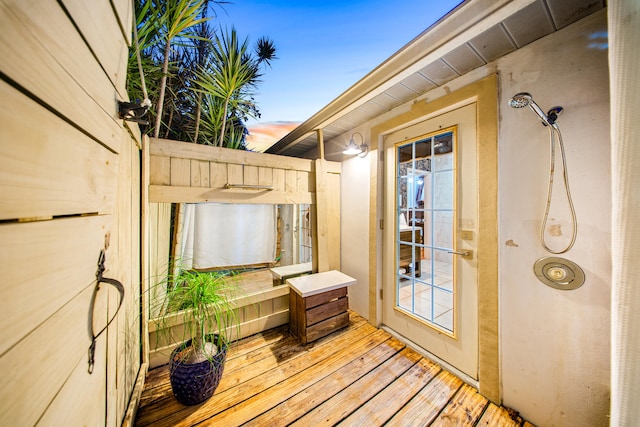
559, 273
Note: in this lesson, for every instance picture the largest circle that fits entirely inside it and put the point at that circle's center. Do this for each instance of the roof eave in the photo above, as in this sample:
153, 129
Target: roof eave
452, 25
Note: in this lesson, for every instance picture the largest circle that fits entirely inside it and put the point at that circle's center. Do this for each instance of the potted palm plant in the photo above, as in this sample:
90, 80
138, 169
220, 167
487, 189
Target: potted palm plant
205, 303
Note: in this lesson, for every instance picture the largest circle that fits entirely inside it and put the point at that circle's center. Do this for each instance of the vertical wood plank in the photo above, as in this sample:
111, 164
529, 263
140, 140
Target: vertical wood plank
291, 181
265, 176
217, 174
153, 261
322, 217
199, 173
320, 142
180, 172
250, 312
281, 303
278, 180
293, 313
129, 319
265, 308
115, 361
303, 181
145, 248
159, 225
118, 264
159, 170
251, 175
313, 212
301, 325
375, 207
235, 174
311, 177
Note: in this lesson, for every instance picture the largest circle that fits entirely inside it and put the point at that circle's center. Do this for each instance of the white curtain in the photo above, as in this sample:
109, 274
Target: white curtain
225, 235
624, 76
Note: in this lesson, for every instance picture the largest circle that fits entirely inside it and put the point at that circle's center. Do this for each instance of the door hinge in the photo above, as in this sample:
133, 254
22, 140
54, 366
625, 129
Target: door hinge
382, 224
381, 293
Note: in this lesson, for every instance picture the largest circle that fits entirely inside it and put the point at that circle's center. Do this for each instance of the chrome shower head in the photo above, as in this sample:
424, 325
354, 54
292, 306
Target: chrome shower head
524, 99
520, 100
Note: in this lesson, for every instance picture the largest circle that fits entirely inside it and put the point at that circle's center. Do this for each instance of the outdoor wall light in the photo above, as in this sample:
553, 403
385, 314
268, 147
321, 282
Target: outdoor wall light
134, 111
353, 149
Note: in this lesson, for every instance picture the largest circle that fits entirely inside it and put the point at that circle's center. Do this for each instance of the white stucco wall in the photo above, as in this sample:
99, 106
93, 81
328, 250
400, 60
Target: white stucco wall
354, 223
554, 345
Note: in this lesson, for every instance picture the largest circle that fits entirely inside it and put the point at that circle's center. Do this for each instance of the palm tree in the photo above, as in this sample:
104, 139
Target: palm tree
178, 16
158, 23
204, 80
230, 75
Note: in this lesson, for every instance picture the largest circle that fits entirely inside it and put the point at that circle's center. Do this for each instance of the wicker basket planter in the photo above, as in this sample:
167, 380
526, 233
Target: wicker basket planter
193, 383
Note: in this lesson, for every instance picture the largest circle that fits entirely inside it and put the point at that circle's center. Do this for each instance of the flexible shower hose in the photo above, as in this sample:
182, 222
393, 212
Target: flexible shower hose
574, 223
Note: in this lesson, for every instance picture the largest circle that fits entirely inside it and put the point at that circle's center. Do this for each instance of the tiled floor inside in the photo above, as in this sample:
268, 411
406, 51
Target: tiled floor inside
430, 293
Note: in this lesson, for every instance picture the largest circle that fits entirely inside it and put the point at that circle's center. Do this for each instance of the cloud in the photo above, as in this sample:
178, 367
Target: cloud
264, 135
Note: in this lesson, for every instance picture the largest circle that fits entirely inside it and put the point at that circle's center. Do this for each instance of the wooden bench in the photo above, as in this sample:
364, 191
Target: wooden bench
281, 274
318, 304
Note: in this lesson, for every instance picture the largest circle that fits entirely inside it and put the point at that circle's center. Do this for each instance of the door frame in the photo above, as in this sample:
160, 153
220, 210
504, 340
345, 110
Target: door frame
485, 93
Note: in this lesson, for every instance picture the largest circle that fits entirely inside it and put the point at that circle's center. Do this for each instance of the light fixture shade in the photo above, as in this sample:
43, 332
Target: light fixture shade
355, 149
352, 149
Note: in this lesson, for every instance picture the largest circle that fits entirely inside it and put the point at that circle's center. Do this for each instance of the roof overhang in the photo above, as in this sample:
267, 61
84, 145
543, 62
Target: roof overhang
473, 34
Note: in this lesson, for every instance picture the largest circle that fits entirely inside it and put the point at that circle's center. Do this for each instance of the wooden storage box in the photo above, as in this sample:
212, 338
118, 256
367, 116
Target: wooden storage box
318, 304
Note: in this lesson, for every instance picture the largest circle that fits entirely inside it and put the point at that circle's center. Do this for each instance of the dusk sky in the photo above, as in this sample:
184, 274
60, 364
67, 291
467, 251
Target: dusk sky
323, 48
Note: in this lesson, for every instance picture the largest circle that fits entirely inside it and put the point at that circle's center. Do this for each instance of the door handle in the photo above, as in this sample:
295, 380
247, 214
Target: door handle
466, 254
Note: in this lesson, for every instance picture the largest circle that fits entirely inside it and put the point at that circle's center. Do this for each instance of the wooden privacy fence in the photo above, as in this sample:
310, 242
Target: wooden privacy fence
181, 172
69, 188
190, 173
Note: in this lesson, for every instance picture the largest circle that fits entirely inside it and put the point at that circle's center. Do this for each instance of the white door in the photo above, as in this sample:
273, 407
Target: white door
429, 266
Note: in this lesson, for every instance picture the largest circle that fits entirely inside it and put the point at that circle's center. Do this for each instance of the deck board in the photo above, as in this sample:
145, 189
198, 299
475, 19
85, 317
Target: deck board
394, 396
311, 397
425, 406
464, 409
351, 398
292, 385
359, 375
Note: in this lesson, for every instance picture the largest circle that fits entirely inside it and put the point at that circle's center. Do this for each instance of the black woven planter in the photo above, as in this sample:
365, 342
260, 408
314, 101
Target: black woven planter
193, 383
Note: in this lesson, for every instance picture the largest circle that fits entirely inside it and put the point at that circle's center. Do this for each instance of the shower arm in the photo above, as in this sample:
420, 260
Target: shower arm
536, 109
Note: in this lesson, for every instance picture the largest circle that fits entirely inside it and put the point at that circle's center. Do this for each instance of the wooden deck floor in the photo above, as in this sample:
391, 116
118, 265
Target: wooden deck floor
358, 376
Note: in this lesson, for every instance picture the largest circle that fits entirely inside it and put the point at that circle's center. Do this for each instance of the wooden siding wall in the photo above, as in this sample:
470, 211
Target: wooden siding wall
69, 187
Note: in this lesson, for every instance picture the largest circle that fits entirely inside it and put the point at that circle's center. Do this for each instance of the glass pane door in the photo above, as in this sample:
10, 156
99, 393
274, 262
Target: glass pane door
425, 215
